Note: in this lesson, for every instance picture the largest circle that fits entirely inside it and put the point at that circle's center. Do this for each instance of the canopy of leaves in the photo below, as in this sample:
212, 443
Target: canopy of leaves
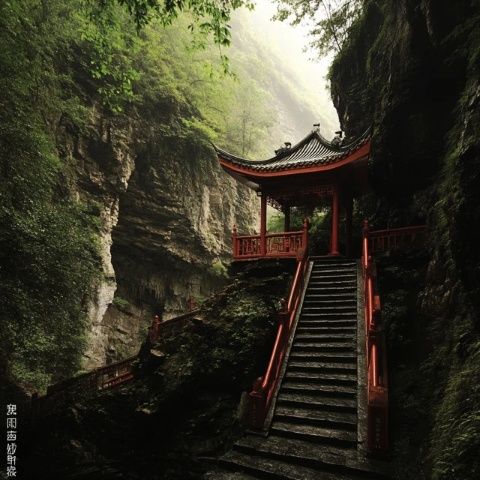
209, 18
330, 20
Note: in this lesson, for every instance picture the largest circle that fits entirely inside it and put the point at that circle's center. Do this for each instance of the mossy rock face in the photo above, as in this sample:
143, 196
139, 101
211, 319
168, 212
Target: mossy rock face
411, 71
183, 405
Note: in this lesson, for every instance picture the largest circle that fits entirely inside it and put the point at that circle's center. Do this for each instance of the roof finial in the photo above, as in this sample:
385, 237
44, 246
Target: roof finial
280, 150
317, 126
338, 138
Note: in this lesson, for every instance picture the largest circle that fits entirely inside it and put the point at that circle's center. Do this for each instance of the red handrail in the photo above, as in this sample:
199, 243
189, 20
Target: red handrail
397, 231
260, 398
102, 378
377, 374
377, 378
390, 239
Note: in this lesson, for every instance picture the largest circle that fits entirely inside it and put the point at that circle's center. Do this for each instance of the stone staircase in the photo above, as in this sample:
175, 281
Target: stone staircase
314, 431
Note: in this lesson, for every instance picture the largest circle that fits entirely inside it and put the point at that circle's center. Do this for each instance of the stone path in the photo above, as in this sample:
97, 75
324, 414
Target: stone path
314, 433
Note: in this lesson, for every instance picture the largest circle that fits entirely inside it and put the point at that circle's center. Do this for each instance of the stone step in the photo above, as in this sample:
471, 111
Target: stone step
322, 367
331, 289
315, 433
333, 295
315, 388
341, 273
304, 332
311, 346
309, 313
326, 302
323, 378
318, 402
314, 300
308, 323
328, 315
316, 350
275, 469
339, 420
314, 307
336, 275
333, 307
335, 357
326, 336
228, 475
332, 265
334, 292
331, 284
329, 312
342, 463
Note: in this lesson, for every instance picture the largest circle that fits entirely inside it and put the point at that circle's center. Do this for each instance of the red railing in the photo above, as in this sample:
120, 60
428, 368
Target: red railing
377, 376
285, 244
260, 398
383, 240
106, 377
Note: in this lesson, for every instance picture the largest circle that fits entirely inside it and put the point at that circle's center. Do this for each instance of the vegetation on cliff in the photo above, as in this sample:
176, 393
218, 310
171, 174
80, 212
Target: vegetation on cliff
412, 71
73, 74
183, 405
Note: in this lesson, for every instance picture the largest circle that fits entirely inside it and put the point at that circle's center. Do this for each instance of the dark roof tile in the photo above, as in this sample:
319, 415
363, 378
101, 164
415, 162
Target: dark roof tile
312, 150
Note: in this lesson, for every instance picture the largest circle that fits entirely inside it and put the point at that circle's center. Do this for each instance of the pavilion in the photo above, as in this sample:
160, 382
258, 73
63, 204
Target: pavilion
302, 175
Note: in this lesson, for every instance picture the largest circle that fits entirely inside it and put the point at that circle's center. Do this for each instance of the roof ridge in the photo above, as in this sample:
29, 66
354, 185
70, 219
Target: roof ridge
327, 150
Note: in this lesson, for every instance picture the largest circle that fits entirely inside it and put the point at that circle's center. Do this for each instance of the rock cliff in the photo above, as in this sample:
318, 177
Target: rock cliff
166, 210
411, 69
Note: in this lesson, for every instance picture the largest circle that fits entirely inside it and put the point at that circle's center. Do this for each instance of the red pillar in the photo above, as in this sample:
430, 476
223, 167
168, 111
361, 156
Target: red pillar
263, 224
335, 214
348, 224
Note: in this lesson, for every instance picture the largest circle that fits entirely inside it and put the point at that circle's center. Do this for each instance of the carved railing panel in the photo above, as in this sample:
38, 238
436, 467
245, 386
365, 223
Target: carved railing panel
384, 240
274, 245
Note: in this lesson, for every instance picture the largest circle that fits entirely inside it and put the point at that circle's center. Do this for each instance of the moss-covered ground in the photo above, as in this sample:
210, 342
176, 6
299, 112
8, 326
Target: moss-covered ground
183, 405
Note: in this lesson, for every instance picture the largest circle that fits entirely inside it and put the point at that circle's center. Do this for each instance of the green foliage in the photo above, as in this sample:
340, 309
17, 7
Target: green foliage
121, 303
48, 248
110, 44
63, 63
456, 435
193, 99
209, 19
208, 16
219, 269
48, 257
319, 232
331, 19
184, 402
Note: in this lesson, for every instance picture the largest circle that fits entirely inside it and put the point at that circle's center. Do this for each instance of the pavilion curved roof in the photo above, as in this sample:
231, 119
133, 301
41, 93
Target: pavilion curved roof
313, 151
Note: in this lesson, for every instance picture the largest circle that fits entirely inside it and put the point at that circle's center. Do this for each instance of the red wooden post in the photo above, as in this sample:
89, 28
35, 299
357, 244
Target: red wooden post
365, 253
257, 405
154, 330
334, 237
263, 224
234, 242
